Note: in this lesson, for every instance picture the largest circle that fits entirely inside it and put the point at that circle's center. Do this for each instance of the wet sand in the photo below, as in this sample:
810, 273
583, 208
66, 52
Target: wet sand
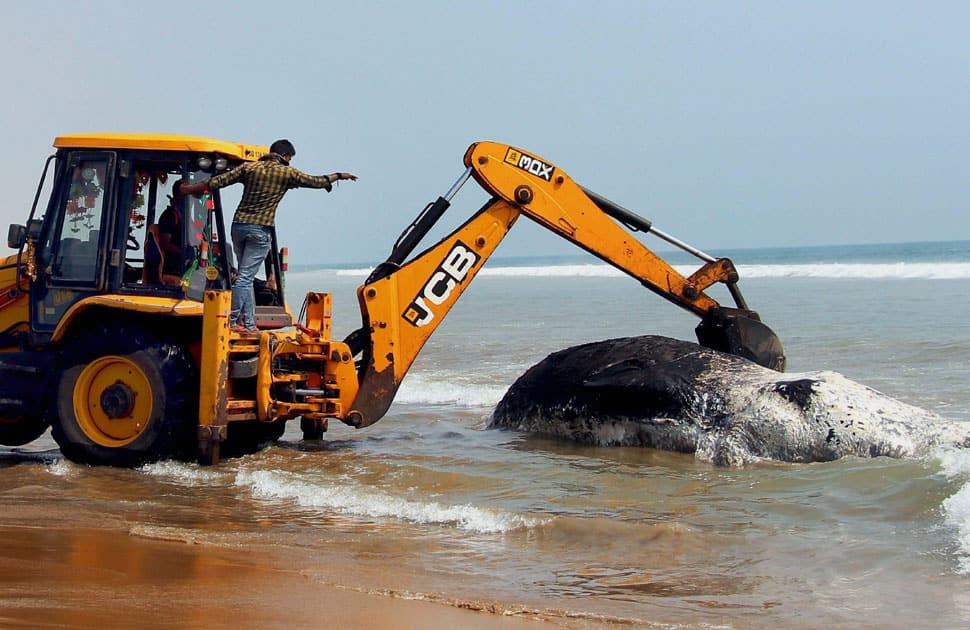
86, 578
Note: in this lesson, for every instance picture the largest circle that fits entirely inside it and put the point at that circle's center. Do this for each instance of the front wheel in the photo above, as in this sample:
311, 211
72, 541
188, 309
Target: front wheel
126, 399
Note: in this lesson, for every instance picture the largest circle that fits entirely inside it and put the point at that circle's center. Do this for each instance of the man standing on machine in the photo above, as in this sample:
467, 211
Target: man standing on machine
264, 184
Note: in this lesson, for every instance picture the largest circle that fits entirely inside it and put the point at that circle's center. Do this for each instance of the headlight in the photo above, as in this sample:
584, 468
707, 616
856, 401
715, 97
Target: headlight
204, 162
221, 164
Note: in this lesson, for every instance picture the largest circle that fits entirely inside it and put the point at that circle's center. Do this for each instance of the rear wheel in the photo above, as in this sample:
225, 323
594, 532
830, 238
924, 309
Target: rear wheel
127, 398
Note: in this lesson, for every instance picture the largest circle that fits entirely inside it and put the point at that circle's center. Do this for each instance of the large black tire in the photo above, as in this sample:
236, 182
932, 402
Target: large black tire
20, 431
126, 398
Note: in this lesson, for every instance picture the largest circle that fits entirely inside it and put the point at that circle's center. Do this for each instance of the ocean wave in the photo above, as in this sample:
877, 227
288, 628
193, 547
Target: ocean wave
372, 503
870, 271
956, 507
184, 474
900, 270
538, 271
352, 272
418, 388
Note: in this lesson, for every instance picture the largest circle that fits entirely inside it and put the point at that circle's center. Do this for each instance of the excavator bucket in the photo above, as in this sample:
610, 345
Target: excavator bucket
741, 333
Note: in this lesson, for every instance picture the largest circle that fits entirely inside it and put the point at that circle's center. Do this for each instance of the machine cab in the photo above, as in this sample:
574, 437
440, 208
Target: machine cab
115, 224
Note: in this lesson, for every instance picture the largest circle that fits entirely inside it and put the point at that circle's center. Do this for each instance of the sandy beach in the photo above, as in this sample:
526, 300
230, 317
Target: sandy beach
87, 578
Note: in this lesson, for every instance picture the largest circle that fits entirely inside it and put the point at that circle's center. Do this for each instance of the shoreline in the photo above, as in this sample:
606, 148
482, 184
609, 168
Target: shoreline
92, 578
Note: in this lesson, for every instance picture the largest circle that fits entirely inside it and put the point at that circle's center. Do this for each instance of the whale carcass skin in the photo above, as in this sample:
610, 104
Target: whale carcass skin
675, 395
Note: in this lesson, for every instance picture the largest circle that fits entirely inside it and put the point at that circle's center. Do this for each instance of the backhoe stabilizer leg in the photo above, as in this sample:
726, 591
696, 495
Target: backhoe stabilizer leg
313, 428
210, 443
741, 333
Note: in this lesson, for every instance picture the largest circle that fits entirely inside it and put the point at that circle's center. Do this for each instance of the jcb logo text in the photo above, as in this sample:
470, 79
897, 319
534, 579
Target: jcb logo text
449, 274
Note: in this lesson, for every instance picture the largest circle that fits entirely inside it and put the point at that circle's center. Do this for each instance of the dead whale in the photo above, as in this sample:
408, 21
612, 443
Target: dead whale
674, 395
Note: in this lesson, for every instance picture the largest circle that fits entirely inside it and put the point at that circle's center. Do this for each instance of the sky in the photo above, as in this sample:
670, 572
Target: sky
727, 124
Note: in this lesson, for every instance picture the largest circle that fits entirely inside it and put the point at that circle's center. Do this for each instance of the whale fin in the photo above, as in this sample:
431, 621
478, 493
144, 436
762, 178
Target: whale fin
619, 374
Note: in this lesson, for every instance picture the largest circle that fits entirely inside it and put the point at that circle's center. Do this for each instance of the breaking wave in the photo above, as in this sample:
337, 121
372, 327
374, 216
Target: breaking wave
424, 389
362, 501
956, 507
871, 271
184, 474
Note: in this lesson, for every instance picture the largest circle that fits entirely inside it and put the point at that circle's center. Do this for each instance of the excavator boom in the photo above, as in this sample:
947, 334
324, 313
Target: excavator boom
550, 197
403, 301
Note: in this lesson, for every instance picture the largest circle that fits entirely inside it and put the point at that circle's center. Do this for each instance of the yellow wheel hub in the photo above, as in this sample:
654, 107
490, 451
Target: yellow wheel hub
113, 401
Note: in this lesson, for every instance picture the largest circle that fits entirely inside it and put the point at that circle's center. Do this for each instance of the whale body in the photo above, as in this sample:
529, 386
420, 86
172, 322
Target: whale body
675, 395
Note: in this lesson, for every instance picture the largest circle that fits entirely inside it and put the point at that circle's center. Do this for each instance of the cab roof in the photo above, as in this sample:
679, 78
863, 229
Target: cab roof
160, 142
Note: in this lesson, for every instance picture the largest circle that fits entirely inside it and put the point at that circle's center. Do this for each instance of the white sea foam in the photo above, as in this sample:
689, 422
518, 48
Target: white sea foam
539, 271
369, 502
185, 474
62, 468
419, 388
871, 271
550, 271
355, 272
956, 508
955, 462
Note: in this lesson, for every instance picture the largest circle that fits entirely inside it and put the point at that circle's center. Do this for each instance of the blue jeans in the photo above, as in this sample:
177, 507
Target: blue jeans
252, 242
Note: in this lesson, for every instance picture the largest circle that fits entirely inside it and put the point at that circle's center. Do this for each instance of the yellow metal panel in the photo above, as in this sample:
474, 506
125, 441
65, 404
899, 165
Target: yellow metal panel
139, 304
160, 142
214, 366
264, 380
13, 300
404, 309
319, 310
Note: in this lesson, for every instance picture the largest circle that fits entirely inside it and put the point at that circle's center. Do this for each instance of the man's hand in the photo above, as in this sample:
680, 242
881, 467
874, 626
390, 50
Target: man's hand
340, 176
194, 189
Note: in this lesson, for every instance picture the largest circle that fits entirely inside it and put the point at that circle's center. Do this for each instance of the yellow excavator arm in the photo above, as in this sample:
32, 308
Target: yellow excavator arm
404, 301
551, 198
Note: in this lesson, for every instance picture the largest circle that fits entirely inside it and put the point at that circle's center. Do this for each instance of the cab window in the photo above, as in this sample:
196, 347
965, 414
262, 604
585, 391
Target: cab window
154, 248
76, 253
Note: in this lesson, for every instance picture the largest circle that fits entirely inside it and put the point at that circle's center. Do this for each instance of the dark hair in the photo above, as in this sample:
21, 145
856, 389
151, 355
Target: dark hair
283, 147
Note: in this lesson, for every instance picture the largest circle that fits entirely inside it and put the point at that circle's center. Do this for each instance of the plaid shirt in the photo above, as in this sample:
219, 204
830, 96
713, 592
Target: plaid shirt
264, 184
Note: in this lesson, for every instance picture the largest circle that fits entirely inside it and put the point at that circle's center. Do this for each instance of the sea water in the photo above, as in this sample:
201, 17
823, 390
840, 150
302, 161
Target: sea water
462, 512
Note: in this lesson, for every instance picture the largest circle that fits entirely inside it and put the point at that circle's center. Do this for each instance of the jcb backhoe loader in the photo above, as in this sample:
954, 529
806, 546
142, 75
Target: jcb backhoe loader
127, 354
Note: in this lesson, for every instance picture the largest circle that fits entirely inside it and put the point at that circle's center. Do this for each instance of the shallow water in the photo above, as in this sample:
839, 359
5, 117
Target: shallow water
430, 501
